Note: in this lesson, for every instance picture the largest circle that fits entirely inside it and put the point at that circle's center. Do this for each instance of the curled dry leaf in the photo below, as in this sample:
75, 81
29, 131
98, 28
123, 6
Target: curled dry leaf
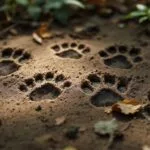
43, 31
60, 120
37, 38
126, 107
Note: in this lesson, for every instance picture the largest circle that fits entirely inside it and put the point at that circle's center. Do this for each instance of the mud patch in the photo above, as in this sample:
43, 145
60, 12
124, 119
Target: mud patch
12, 60
105, 90
120, 56
70, 50
45, 86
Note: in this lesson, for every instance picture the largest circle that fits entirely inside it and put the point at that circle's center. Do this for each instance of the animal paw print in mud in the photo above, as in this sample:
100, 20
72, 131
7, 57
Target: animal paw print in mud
11, 60
45, 86
70, 50
106, 89
120, 56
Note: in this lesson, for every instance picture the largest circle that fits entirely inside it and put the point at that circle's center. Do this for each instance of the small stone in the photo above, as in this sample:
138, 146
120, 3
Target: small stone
82, 129
60, 120
121, 25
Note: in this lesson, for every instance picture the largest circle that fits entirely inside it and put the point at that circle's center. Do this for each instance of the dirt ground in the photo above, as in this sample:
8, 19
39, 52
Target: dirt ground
73, 76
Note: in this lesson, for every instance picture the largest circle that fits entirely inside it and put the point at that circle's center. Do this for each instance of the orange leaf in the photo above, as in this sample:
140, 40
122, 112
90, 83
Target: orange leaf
126, 107
43, 32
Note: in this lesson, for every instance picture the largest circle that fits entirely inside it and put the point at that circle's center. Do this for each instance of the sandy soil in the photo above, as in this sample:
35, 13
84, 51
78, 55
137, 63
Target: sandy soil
75, 78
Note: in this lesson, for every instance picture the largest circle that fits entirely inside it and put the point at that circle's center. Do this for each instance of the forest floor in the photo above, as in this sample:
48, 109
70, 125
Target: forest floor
47, 90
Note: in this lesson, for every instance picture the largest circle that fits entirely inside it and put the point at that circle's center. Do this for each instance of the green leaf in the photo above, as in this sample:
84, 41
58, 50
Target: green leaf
62, 15
4, 8
22, 2
135, 14
143, 19
141, 7
34, 11
53, 4
74, 3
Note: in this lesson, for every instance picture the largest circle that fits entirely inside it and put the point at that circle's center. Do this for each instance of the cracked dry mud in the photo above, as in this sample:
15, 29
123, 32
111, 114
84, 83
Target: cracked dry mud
75, 78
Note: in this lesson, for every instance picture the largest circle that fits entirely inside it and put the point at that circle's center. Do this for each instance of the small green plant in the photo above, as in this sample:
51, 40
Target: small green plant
35, 9
142, 13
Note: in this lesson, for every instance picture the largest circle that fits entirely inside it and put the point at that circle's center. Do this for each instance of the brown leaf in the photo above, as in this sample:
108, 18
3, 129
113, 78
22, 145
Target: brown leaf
126, 107
43, 31
60, 120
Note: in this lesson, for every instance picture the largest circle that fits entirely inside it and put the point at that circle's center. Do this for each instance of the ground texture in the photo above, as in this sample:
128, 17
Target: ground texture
73, 76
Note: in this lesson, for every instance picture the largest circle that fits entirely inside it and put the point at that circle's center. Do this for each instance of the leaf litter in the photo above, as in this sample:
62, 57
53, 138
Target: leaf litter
42, 33
127, 107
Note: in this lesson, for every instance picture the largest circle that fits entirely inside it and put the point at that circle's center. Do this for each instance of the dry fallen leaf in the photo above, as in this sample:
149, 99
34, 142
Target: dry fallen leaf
126, 107
37, 38
60, 120
43, 32
69, 148
145, 147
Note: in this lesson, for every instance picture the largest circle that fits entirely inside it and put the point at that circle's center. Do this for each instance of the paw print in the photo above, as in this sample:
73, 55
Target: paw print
45, 86
105, 90
11, 60
70, 50
120, 56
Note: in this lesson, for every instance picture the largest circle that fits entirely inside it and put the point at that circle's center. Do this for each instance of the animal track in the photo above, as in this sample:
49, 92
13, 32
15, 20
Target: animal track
45, 86
120, 56
70, 50
11, 60
106, 89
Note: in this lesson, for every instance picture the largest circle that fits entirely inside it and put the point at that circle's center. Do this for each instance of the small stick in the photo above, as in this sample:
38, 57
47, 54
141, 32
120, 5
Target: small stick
110, 141
7, 29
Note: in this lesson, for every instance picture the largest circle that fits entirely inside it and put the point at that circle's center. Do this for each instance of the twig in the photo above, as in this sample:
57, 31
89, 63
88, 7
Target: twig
126, 127
110, 141
8, 28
